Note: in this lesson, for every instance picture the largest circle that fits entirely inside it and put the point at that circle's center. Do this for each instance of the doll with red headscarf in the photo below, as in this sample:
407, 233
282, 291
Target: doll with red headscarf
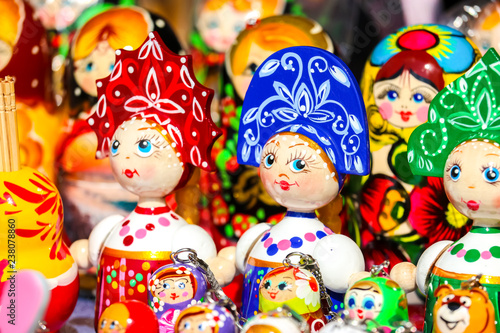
152, 121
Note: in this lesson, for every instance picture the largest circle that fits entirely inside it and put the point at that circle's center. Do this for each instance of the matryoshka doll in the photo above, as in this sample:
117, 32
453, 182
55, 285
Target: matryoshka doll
24, 55
172, 288
461, 144
394, 206
238, 200
85, 181
128, 317
484, 29
297, 287
206, 318
379, 301
152, 121
282, 320
303, 124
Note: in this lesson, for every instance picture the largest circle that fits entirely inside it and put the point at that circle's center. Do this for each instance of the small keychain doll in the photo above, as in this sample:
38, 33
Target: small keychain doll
304, 124
296, 286
461, 143
128, 317
152, 120
281, 320
377, 298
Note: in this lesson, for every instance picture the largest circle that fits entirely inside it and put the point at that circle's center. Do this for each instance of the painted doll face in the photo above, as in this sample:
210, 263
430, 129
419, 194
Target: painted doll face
297, 176
143, 161
280, 287
404, 101
5, 54
194, 324
97, 65
364, 302
114, 319
472, 177
255, 57
173, 290
219, 28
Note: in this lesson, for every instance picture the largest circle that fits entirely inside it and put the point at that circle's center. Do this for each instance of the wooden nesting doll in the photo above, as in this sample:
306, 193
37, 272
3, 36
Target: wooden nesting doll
394, 213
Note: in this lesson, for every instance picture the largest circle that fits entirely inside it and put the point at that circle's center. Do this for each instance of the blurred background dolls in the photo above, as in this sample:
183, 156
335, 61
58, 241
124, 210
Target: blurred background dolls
89, 190
237, 198
24, 54
303, 124
393, 210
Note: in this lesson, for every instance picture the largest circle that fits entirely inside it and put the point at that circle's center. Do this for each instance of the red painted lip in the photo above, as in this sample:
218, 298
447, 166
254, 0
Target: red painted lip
405, 115
360, 314
273, 295
129, 173
472, 205
285, 186
174, 296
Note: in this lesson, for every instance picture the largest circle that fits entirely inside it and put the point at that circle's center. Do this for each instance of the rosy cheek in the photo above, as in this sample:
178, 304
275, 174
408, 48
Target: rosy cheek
496, 202
369, 315
352, 314
184, 294
385, 110
422, 113
162, 294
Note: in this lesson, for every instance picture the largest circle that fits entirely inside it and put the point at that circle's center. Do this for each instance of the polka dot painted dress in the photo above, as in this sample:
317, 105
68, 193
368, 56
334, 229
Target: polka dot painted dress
134, 249
273, 247
476, 252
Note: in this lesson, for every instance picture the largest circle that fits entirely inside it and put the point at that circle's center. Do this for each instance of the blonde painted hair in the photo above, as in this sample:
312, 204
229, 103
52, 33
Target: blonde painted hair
11, 18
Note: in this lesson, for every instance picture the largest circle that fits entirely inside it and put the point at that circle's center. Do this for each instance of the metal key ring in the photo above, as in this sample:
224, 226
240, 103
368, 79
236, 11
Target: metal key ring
174, 256
304, 259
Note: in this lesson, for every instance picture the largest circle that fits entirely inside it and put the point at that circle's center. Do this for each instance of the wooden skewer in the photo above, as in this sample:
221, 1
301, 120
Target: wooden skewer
8, 127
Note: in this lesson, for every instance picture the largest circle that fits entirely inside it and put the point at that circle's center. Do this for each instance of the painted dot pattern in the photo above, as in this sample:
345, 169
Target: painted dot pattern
295, 242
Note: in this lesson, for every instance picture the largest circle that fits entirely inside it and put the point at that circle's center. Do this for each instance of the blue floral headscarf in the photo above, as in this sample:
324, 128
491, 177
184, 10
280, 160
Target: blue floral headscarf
309, 91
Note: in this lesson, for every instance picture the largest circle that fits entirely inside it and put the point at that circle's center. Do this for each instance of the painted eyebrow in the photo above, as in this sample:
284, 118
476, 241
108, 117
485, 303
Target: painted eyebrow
144, 128
298, 144
491, 154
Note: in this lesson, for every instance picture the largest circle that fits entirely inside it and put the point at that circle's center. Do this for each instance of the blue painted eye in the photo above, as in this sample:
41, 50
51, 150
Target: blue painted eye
113, 324
269, 160
145, 148
238, 27
166, 286
297, 165
202, 326
455, 172
392, 95
282, 285
267, 284
351, 302
187, 325
89, 67
181, 285
491, 174
111, 67
213, 24
418, 98
368, 303
114, 147
103, 323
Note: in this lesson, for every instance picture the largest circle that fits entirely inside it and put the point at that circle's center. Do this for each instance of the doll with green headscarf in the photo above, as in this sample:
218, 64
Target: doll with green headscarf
461, 143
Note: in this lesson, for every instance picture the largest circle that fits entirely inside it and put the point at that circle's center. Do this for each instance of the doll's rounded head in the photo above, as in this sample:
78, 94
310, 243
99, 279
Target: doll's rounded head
472, 177
205, 317
297, 173
10, 16
176, 286
152, 115
127, 317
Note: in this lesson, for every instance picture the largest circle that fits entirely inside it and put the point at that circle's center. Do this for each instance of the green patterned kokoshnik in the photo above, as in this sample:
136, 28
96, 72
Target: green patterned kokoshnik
466, 109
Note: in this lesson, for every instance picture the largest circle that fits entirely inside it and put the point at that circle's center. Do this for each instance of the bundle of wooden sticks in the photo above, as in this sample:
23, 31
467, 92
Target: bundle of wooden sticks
9, 138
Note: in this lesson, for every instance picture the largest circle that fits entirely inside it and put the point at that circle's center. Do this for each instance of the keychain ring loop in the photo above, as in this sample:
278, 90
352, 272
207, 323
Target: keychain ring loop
288, 262
174, 256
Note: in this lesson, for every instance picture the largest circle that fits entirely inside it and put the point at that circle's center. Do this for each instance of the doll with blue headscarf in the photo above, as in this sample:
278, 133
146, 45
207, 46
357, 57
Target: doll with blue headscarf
303, 123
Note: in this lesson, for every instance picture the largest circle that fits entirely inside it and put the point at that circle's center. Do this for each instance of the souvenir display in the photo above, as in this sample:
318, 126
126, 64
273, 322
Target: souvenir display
297, 287
89, 190
460, 144
24, 55
128, 317
152, 121
32, 226
206, 317
238, 200
282, 320
400, 211
303, 123
218, 22
378, 300
173, 287
468, 309
23, 312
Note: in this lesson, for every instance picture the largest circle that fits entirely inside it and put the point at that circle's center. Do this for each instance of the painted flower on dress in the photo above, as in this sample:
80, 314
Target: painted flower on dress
307, 289
216, 319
